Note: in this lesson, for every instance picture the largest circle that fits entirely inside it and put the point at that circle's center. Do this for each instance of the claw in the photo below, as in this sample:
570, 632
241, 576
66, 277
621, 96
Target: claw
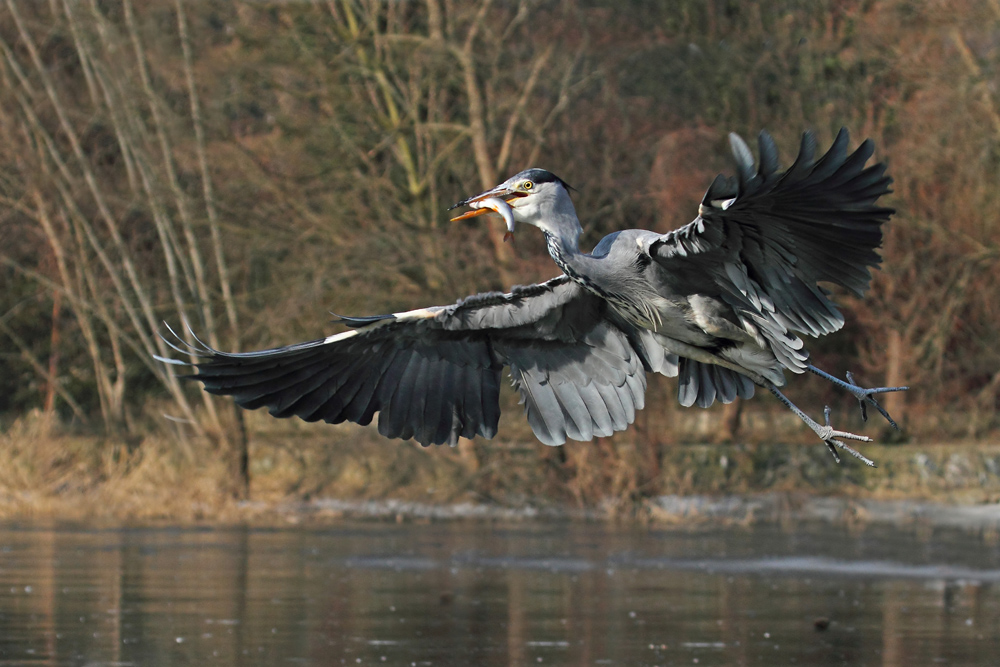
830, 446
850, 450
861, 402
827, 433
832, 443
864, 395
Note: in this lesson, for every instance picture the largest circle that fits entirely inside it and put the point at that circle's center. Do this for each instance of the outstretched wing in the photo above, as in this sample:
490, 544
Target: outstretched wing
433, 374
766, 238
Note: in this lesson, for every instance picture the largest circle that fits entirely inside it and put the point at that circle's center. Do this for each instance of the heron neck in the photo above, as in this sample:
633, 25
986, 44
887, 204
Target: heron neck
564, 248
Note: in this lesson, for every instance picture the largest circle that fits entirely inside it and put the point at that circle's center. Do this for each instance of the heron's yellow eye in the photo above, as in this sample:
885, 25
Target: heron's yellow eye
527, 185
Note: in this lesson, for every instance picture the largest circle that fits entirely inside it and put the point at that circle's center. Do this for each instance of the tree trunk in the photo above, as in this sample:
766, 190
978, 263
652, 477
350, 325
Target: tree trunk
50, 389
239, 448
729, 426
895, 402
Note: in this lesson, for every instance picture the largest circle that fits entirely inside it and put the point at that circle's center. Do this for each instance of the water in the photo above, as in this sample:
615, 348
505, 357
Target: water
468, 593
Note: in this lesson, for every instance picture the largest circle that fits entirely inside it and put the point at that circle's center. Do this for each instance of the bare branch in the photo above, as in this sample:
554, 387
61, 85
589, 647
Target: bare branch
206, 178
515, 116
42, 370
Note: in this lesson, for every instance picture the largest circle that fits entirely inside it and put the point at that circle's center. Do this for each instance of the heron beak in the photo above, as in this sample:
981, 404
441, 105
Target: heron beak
500, 192
471, 214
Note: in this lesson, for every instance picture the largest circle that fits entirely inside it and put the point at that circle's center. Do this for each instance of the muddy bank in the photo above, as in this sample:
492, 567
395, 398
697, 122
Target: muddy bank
784, 507
672, 509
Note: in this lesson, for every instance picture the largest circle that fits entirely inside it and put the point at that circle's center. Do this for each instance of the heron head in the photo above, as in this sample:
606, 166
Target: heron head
535, 196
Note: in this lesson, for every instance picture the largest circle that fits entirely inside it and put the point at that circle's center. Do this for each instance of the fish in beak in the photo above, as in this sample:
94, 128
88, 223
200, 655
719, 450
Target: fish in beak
497, 200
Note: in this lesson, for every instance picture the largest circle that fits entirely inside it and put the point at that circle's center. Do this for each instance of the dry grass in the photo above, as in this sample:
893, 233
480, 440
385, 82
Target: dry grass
48, 474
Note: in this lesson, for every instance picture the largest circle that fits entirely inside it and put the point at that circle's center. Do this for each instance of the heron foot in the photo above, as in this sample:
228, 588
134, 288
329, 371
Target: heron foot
827, 433
865, 396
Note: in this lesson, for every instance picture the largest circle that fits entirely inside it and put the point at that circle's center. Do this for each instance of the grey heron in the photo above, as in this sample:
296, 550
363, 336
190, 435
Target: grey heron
721, 303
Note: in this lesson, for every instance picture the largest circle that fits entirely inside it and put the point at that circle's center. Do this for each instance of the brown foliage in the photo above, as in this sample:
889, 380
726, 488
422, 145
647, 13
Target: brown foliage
248, 165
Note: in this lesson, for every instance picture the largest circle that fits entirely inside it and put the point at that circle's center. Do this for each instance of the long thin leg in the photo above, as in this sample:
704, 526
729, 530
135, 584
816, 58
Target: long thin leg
864, 396
826, 433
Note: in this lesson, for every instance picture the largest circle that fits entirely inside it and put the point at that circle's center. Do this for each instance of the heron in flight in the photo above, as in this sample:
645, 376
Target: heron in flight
720, 303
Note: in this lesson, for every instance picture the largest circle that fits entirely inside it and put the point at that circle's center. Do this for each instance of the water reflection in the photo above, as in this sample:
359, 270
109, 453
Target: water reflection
487, 594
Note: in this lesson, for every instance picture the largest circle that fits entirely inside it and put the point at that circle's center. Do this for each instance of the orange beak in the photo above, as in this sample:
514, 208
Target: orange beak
511, 198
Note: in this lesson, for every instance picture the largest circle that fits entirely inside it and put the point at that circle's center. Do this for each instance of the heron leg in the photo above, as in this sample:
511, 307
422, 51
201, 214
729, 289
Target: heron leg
826, 433
865, 396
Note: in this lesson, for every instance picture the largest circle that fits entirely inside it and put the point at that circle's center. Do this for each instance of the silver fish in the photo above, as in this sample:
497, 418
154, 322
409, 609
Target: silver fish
499, 206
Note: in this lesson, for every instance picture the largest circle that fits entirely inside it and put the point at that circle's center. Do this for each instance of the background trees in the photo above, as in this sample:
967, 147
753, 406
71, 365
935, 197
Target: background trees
243, 166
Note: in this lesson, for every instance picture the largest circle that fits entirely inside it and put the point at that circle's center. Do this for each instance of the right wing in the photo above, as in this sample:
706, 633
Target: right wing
433, 374
768, 237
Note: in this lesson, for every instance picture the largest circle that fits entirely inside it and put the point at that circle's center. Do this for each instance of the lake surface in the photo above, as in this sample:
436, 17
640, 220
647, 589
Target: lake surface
467, 593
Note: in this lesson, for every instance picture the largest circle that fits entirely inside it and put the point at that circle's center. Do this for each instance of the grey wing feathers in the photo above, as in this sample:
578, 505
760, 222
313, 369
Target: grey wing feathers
431, 392
768, 237
577, 372
701, 384
433, 374
592, 388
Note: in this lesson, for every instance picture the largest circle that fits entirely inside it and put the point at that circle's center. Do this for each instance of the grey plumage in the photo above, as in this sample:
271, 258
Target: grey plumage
721, 302
434, 374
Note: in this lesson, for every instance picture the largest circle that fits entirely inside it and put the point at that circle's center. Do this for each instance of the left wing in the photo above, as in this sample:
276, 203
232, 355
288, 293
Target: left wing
433, 374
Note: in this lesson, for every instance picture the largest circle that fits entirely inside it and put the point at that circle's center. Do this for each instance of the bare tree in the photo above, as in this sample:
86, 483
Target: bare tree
96, 211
